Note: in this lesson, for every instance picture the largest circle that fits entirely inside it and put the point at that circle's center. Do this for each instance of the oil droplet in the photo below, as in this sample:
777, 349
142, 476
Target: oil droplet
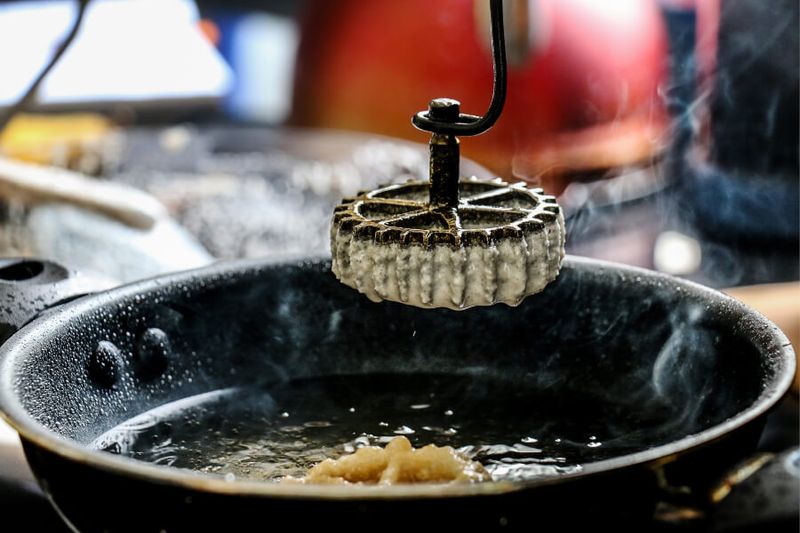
448, 413
352, 409
318, 424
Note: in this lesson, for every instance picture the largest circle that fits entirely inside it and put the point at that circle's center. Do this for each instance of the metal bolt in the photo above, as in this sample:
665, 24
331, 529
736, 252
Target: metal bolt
444, 109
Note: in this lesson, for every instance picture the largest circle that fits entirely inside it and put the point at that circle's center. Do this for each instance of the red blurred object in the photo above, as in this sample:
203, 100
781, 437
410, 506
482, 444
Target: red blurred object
583, 78
210, 31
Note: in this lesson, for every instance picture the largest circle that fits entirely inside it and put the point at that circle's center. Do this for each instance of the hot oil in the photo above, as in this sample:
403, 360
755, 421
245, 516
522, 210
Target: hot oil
283, 430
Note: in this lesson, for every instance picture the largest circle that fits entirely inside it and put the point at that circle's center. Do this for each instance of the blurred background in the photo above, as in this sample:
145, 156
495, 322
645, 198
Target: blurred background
669, 128
174, 133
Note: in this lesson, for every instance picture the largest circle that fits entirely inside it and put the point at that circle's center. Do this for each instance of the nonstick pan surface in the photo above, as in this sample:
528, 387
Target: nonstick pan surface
671, 378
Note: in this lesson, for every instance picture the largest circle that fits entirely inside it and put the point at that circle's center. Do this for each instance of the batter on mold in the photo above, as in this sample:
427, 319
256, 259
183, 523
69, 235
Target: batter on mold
500, 244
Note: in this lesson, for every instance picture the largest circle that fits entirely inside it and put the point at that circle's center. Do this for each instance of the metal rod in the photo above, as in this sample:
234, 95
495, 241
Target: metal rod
445, 120
444, 171
445, 157
468, 125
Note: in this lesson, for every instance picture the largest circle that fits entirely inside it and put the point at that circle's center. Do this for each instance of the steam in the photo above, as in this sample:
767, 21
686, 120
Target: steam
681, 369
730, 154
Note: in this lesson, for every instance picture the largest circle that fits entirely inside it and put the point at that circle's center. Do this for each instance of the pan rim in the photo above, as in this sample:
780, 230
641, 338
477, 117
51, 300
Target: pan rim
775, 345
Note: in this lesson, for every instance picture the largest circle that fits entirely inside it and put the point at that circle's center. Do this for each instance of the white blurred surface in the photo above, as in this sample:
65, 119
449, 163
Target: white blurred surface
126, 51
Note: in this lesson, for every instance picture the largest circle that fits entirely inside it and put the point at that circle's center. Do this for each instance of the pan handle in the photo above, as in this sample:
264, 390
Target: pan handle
762, 489
29, 286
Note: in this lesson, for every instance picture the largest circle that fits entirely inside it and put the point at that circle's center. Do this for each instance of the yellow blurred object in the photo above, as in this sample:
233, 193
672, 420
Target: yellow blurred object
60, 140
780, 302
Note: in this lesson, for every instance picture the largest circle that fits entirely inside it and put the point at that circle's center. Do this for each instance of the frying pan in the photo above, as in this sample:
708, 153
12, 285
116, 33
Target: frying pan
618, 351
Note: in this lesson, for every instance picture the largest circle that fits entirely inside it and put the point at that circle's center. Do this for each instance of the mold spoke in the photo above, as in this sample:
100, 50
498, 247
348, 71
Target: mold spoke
451, 218
404, 219
496, 195
397, 202
489, 210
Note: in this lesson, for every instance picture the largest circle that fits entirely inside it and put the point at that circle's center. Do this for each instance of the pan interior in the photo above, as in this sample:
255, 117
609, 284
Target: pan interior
269, 432
262, 372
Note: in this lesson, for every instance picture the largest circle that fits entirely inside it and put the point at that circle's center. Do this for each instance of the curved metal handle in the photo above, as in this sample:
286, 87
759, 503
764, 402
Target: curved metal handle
463, 124
30, 93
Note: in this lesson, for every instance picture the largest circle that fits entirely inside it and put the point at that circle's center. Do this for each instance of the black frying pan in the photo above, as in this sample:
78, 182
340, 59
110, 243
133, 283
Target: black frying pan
634, 387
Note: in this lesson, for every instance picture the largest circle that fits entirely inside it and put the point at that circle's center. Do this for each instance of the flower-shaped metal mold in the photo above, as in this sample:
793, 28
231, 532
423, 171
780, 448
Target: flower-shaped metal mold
499, 243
